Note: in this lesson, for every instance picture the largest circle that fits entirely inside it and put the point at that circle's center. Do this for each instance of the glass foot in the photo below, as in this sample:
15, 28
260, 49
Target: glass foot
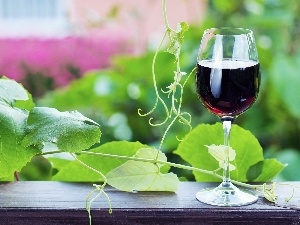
226, 196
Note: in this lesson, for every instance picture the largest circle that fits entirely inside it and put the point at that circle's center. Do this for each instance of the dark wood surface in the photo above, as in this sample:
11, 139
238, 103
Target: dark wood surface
46, 203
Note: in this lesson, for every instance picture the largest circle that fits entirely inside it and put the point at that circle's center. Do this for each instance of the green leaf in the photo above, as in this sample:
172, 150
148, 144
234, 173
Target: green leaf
25, 104
247, 148
59, 163
8, 179
177, 39
71, 131
13, 156
151, 153
39, 168
74, 171
143, 176
193, 149
270, 168
254, 171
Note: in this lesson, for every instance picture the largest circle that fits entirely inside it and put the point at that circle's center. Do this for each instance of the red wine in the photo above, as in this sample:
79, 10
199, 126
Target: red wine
227, 88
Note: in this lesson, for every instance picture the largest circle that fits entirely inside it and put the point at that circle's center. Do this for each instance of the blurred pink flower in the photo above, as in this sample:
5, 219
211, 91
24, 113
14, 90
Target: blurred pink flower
62, 59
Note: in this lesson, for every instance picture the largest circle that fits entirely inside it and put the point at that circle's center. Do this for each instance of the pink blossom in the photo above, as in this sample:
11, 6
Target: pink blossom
54, 57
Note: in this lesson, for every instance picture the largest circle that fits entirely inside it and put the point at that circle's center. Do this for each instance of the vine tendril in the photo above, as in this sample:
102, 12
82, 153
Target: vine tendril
174, 112
100, 188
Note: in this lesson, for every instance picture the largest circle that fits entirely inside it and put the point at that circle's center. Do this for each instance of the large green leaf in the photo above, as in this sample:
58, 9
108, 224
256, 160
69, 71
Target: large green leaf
248, 153
264, 170
13, 156
143, 176
71, 131
74, 171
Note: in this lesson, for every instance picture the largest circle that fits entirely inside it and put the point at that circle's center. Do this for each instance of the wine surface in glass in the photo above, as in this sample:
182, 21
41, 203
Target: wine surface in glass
228, 87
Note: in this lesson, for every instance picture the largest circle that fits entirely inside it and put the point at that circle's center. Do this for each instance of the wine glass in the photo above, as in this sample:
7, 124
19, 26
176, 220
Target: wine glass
227, 83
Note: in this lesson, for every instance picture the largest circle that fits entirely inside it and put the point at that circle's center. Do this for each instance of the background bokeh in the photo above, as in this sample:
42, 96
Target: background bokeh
104, 71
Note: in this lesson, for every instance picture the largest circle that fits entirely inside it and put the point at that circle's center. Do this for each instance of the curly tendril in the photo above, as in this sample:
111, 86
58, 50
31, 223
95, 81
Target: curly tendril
175, 38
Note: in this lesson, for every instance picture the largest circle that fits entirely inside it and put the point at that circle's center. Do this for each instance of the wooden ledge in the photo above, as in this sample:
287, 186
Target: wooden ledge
48, 203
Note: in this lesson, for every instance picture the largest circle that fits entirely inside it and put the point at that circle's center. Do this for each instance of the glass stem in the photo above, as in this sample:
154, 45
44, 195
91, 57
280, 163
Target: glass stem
227, 122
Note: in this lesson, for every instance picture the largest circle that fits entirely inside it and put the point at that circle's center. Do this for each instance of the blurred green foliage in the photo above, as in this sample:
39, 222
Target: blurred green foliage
112, 97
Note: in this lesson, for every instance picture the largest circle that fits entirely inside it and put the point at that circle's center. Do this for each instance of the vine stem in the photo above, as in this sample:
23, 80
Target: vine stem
173, 87
16, 175
99, 188
158, 98
91, 168
154, 161
165, 14
180, 166
165, 133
